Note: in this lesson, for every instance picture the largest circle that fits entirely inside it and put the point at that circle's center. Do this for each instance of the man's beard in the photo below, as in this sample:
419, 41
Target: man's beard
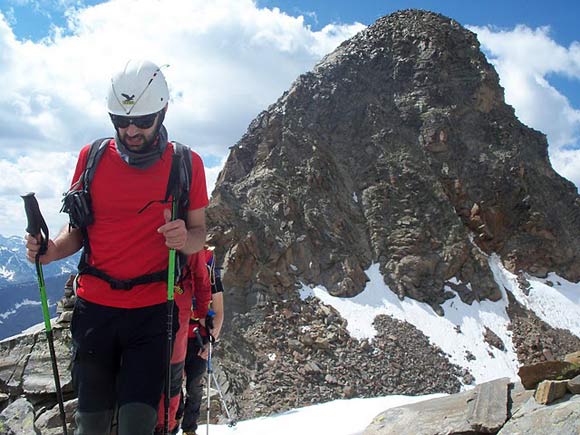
146, 145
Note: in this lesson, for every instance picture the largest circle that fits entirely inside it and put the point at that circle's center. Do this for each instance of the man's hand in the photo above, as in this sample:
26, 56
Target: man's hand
204, 352
33, 246
175, 232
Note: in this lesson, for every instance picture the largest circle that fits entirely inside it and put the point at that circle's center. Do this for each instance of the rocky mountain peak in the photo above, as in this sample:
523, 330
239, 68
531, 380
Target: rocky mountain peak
399, 149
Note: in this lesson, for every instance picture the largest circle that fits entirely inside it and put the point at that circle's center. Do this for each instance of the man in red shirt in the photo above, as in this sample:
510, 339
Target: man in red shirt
119, 331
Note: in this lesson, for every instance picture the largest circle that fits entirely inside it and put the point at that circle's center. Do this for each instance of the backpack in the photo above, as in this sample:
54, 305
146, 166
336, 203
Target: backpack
77, 203
213, 271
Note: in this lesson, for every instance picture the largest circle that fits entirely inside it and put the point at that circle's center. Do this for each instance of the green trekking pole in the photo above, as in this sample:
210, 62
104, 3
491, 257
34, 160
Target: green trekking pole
37, 226
170, 303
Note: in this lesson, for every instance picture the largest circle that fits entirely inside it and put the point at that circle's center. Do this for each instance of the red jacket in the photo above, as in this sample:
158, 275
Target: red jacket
195, 285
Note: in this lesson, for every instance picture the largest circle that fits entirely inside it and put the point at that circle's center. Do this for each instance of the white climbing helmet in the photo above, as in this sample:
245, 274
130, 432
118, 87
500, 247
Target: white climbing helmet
138, 89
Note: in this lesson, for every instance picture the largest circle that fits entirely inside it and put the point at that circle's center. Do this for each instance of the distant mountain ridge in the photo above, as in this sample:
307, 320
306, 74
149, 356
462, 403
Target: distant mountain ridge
20, 304
15, 268
19, 293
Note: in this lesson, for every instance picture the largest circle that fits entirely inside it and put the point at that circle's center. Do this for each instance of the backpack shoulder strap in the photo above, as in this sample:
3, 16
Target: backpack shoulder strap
184, 176
178, 185
96, 151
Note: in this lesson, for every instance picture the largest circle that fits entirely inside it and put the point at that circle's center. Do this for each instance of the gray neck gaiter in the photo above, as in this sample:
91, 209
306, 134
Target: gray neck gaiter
146, 159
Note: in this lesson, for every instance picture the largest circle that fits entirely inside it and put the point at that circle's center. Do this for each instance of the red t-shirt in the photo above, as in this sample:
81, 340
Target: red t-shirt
125, 244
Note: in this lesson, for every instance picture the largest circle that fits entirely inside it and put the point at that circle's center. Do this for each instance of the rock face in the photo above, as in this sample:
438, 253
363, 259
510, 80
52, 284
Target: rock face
295, 353
398, 148
534, 340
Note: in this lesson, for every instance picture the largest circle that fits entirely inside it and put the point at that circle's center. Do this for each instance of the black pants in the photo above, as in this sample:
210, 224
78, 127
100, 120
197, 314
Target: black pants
118, 361
195, 368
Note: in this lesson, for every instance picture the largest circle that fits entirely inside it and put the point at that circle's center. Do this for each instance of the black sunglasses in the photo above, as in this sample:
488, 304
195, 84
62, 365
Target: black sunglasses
142, 122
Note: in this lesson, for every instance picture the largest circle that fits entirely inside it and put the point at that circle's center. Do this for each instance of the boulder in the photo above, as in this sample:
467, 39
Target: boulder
574, 385
49, 421
573, 358
18, 419
549, 391
482, 409
531, 375
562, 418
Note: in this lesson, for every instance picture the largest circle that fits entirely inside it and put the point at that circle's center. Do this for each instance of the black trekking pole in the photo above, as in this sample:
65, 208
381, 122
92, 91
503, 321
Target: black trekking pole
208, 328
37, 226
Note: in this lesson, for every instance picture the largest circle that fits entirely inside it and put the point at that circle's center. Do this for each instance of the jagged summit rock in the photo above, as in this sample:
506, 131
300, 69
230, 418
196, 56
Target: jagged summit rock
399, 149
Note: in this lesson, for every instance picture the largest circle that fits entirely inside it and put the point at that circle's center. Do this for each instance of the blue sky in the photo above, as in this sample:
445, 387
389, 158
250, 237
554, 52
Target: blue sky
562, 15
231, 59
34, 19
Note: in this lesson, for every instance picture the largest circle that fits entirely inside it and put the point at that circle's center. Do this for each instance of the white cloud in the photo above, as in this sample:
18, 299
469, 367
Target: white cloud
526, 60
47, 175
229, 60
567, 163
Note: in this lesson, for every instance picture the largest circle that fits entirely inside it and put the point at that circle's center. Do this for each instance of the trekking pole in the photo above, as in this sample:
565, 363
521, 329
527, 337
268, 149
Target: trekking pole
37, 226
170, 300
209, 373
231, 421
208, 328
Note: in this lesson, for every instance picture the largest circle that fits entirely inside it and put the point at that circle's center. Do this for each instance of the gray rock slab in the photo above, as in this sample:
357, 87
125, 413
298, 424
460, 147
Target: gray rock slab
25, 364
14, 355
574, 385
37, 377
18, 418
49, 422
482, 409
561, 418
435, 416
519, 396
489, 409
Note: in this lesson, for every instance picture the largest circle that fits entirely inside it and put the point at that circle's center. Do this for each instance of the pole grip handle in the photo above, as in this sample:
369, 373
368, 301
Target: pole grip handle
36, 223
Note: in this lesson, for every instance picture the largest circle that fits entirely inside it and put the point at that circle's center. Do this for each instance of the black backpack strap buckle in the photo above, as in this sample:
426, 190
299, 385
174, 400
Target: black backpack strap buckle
117, 284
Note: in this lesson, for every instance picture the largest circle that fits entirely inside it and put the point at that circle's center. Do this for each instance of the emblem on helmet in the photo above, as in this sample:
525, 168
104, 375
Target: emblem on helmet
129, 99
